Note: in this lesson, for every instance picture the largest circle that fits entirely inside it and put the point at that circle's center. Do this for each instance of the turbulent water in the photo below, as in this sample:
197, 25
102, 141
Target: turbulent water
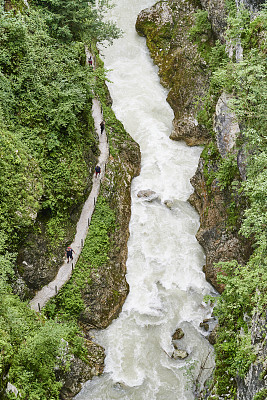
164, 267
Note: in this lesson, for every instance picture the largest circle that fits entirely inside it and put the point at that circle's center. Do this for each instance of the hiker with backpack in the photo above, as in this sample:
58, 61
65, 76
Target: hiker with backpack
69, 253
97, 171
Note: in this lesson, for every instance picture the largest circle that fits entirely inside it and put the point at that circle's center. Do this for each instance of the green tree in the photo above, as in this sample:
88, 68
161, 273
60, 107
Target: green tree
78, 20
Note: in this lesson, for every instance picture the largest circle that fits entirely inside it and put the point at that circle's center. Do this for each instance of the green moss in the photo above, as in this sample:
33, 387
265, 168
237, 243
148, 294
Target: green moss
210, 155
201, 34
261, 395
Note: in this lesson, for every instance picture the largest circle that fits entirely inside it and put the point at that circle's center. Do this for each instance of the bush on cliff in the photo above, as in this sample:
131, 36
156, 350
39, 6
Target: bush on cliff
245, 286
47, 152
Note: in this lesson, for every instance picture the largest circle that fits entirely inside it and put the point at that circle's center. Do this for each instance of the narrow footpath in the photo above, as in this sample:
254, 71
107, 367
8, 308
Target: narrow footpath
65, 271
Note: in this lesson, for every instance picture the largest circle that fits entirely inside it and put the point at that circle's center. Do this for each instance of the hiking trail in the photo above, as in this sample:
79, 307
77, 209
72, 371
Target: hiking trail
65, 271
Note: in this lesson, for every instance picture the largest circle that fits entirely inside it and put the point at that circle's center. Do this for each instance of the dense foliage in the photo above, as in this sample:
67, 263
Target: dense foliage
245, 286
48, 150
69, 304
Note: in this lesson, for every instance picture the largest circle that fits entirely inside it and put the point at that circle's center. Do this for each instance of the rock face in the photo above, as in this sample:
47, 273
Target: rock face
41, 254
81, 371
219, 242
217, 14
225, 125
181, 69
256, 378
252, 5
107, 291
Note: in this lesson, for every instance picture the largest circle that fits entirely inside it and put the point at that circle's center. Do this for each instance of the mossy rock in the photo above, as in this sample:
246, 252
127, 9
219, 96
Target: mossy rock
182, 69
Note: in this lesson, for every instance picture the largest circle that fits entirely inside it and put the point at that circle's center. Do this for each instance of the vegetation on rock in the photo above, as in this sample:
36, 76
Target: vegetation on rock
245, 285
47, 155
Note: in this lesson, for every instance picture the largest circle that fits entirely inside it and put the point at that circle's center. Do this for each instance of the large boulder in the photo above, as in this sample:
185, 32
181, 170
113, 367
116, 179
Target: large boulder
255, 381
166, 26
81, 371
147, 194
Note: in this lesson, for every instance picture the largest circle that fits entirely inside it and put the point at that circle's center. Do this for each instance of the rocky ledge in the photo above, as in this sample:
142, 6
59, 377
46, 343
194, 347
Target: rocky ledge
182, 70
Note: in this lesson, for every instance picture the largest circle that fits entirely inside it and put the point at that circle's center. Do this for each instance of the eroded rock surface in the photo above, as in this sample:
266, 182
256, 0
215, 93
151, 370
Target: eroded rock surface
148, 195
225, 125
181, 69
81, 371
220, 242
255, 380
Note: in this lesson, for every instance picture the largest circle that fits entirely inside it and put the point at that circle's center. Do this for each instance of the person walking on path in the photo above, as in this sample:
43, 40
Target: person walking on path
97, 171
69, 253
90, 61
102, 126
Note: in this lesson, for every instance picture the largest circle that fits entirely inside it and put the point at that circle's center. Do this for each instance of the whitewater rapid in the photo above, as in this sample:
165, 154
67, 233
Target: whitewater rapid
164, 266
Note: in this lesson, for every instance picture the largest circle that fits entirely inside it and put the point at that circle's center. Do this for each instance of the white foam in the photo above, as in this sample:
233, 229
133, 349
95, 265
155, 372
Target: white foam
164, 266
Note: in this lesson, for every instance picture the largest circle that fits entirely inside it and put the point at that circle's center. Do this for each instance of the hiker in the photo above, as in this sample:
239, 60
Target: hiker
90, 61
102, 126
69, 253
97, 171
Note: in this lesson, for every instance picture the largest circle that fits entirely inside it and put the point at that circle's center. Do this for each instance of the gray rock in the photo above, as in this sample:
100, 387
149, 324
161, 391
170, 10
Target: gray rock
179, 354
252, 5
148, 195
168, 203
256, 378
81, 371
225, 125
212, 338
217, 15
204, 325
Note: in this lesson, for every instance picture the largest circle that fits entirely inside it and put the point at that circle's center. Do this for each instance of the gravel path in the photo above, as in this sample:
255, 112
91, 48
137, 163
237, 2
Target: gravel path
65, 271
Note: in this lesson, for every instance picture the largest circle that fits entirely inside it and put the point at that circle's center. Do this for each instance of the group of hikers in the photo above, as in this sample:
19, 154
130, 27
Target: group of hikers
69, 250
97, 168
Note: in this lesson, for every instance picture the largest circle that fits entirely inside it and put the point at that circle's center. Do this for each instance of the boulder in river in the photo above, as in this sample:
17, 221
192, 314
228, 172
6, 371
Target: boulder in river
148, 195
168, 203
178, 334
179, 354
212, 338
204, 325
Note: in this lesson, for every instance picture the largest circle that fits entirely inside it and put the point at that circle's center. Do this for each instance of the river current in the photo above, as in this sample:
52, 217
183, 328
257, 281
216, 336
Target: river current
164, 266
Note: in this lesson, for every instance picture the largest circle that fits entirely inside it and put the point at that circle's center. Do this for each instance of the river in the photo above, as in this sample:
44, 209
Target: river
164, 266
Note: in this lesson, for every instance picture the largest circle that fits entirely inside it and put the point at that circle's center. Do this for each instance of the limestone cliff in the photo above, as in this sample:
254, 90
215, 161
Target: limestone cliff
255, 381
217, 12
181, 68
216, 205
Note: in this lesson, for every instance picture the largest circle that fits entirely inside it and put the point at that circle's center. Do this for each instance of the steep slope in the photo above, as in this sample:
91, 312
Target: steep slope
47, 158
